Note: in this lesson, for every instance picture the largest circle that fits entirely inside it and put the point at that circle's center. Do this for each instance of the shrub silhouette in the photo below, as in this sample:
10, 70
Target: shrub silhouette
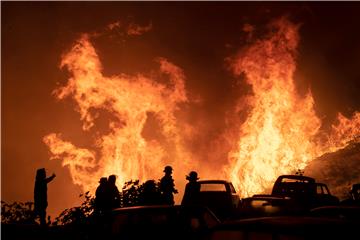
17, 212
130, 195
133, 194
77, 215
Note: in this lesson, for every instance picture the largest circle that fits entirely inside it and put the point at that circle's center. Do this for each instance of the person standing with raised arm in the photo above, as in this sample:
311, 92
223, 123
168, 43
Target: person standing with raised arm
40, 194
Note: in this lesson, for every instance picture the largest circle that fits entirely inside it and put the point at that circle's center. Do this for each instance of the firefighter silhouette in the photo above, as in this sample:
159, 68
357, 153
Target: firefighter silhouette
114, 194
192, 190
102, 196
167, 187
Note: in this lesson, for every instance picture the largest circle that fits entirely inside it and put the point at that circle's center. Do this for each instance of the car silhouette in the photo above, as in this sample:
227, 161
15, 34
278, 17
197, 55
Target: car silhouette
160, 222
284, 227
220, 196
264, 205
304, 191
338, 212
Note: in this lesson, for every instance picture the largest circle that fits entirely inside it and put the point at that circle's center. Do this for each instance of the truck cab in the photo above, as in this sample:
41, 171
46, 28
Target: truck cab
304, 190
220, 196
323, 195
294, 186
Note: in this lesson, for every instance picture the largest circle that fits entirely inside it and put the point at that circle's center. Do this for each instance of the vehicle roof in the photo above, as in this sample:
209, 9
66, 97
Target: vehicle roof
147, 207
214, 181
352, 208
281, 223
159, 207
298, 177
265, 198
342, 212
322, 184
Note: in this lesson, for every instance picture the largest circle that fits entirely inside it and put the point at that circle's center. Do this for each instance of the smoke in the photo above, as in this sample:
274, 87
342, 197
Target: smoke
129, 28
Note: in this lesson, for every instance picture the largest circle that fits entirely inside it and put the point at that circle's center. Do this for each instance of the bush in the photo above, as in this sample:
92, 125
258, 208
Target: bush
130, 195
17, 212
133, 194
77, 215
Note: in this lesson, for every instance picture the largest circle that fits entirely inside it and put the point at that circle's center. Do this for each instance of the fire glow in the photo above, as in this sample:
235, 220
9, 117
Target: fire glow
281, 132
124, 151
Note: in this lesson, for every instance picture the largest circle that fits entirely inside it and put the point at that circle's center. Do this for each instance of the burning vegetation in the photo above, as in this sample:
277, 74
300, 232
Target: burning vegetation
280, 134
282, 131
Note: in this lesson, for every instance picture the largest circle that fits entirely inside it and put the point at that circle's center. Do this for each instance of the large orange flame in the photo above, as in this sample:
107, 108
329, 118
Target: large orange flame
281, 133
124, 151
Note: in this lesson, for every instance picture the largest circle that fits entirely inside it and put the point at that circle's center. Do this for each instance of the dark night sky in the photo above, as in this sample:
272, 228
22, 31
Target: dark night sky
196, 36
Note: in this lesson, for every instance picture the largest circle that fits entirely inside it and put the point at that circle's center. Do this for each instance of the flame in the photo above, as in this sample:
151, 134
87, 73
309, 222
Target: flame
344, 132
123, 151
281, 133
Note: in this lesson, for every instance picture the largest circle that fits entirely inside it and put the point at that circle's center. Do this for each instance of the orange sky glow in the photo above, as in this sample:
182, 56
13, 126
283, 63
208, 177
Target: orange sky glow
243, 92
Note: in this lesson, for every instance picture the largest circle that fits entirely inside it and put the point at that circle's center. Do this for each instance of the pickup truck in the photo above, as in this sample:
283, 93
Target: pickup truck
219, 196
291, 195
304, 190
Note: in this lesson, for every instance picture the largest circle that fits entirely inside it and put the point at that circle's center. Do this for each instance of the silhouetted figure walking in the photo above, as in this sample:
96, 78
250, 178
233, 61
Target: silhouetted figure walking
102, 197
167, 187
192, 190
40, 194
150, 194
114, 194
